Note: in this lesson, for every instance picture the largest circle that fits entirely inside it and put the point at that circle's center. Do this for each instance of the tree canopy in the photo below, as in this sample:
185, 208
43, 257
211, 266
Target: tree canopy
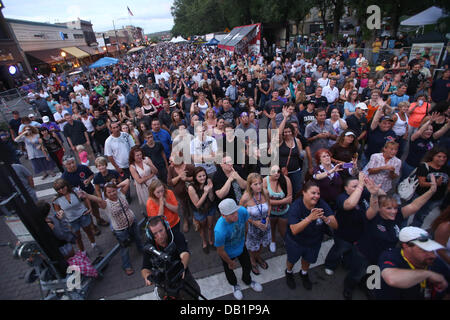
196, 17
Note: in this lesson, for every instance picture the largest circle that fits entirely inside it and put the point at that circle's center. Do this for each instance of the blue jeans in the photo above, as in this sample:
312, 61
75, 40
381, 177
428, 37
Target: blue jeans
375, 58
420, 215
296, 181
132, 231
341, 248
358, 269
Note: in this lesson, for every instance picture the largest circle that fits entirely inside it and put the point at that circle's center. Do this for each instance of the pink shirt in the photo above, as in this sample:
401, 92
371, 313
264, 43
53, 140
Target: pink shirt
83, 156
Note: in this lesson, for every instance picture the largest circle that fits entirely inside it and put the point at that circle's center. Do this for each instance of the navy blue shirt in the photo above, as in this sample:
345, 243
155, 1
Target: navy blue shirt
351, 222
392, 258
312, 235
164, 138
377, 139
76, 178
417, 150
111, 176
379, 235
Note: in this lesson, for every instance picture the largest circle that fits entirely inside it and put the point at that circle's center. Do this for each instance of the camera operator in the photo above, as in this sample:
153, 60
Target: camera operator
162, 238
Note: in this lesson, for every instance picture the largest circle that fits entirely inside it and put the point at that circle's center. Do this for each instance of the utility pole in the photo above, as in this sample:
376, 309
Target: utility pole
106, 46
117, 40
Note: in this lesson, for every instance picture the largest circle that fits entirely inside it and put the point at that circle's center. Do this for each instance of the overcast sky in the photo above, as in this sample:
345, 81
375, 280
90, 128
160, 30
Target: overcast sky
151, 15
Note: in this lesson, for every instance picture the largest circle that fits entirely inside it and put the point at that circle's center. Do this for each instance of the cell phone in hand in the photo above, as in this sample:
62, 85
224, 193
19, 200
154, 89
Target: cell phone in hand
347, 165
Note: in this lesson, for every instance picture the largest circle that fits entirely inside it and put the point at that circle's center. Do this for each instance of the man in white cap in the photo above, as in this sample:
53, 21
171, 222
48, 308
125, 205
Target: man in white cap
229, 235
357, 121
405, 273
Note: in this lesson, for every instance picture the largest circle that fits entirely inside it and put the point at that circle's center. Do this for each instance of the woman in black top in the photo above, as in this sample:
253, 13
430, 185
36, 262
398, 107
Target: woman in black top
434, 164
52, 146
201, 195
290, 162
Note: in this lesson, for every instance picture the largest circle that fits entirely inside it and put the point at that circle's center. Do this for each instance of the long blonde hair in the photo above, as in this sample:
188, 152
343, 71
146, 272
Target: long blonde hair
252, 177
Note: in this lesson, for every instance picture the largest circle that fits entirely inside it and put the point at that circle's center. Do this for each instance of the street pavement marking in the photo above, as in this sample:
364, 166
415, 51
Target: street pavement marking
216, 286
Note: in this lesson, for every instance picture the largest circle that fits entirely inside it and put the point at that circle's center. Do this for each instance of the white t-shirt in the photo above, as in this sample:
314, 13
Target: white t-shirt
60, 116
78, 87
88, 124
122, 99
330, 94
85, 100
119, 148
204, 148
323, 82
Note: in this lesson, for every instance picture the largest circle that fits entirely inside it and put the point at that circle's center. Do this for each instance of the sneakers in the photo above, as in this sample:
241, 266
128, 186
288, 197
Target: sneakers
237, 293
307, 284
329, 271
290, 280
273, 247
256, 286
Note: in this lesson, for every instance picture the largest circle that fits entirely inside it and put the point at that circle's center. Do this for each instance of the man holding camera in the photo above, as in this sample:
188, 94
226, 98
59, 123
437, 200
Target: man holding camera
170, 242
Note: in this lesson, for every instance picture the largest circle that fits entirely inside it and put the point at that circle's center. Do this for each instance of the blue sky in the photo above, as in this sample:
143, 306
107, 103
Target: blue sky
151, 15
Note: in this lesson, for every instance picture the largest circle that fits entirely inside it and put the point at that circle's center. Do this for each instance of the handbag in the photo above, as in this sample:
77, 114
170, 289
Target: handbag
408, 186
284, 170
123, 242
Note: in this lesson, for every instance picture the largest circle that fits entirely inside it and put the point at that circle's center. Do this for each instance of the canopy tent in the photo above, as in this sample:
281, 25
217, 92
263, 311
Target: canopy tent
136, 49
242, 39
104, 62
426, 17
212, 42
49, 56
178, 39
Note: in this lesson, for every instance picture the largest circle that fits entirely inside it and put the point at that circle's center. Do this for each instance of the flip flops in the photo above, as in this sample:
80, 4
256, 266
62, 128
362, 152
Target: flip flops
255, 269
263, 264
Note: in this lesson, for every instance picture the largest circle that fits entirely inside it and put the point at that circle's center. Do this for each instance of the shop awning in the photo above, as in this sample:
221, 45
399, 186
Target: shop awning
77, 53
91, 50
49, 56
136, 49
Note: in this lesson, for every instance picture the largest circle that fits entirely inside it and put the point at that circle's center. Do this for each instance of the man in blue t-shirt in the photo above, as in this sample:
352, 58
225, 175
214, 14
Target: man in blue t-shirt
162, 136
230, 243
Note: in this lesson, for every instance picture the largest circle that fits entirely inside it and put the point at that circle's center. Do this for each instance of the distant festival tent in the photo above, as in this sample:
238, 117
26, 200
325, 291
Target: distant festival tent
135, 49
212, 42
104, 62
426, 17
178, 39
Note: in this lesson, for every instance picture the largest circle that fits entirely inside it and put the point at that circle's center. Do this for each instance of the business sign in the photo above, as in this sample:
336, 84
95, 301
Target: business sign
61, 34
435, 50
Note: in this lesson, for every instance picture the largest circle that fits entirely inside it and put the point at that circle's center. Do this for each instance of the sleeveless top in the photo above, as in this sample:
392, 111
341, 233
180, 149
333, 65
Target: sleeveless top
400, 126
206, 205
295, 162
203, 107
279, 209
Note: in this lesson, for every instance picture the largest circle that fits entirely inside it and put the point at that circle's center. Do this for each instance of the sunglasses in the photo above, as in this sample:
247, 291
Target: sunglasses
422, 238
277, 171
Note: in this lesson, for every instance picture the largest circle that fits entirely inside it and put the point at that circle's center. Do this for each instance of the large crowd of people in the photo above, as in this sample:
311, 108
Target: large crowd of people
342, 133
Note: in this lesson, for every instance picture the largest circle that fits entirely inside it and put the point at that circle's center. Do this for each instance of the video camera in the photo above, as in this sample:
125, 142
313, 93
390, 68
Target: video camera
167, 271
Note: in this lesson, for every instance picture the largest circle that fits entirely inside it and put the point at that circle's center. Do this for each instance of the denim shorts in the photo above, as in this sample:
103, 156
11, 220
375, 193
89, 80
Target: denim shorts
200, 217
295, 252
82, 222
281, 216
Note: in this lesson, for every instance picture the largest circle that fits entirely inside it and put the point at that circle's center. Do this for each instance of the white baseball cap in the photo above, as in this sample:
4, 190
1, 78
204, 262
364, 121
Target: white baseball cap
45, 119
420, 238
30, 115
228, 206
362, 106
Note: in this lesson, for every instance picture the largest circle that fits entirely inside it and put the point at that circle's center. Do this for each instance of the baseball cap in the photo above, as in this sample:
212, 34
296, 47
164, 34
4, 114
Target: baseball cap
389, 118
30, 115
45, 119
244, 114
420, 238
228, 206
350, 133
362, 106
